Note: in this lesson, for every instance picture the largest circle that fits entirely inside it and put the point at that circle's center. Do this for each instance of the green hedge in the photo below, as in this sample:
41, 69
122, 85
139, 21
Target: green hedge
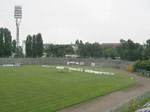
142, 67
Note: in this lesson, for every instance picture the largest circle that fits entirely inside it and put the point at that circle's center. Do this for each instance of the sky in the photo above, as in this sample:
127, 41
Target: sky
65, 21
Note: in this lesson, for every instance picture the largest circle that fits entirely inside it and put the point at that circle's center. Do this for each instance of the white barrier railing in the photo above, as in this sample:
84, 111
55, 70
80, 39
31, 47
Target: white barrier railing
11, 65
78, 69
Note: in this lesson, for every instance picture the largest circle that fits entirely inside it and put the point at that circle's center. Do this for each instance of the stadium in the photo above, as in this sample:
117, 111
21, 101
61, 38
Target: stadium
74, 56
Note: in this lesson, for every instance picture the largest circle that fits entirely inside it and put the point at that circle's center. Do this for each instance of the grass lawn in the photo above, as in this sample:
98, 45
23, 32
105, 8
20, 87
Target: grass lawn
31, 88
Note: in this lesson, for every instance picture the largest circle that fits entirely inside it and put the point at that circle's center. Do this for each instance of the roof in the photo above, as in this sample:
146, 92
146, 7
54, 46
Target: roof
110, 44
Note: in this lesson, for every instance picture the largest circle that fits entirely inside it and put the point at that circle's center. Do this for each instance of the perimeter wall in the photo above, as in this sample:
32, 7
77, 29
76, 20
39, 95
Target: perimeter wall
63, 61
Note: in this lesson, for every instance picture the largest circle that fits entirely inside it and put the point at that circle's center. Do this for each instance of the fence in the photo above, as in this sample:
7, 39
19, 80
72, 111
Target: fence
63, 61
133, 104
143, 72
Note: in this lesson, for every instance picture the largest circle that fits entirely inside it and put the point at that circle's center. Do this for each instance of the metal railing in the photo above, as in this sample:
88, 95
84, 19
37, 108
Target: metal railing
133, 104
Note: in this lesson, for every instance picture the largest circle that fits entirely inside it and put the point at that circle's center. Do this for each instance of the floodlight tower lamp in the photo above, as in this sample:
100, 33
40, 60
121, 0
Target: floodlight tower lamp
17, 16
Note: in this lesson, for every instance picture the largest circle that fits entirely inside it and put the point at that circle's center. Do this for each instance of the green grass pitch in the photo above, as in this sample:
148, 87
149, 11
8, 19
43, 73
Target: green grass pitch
31, 88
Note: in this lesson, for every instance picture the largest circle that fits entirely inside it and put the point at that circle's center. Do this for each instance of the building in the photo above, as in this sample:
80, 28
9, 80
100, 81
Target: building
71, 56
75, 47
24, 47
110, 44
45, 45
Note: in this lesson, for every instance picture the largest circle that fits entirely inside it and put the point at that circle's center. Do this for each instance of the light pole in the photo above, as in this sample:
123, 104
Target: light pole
17, 16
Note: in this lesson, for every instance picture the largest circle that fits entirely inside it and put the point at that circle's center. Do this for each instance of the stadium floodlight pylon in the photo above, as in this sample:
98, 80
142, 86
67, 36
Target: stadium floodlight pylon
18, 17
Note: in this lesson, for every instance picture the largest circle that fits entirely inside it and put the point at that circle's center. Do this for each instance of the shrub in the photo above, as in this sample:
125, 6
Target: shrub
136, 65
142, 66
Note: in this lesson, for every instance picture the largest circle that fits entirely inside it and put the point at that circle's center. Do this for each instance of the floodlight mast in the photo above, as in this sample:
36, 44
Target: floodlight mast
17, 16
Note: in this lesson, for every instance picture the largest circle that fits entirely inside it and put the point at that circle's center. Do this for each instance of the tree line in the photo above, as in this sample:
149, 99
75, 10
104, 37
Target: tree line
134, 51
127, 50
5, 42
34, 46
58, 50
89, 50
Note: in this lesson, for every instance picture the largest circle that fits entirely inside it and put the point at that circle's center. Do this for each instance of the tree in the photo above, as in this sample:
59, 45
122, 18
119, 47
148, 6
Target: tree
29, 46
49, 50
77, 42
96, 50
81, 50
68, 49
5, 42
39, 46
8, 47
34, 46
14, 46
59, 50
19, 52
129, 50
1, 43
146, 51
80, 42
109, 52
89, 50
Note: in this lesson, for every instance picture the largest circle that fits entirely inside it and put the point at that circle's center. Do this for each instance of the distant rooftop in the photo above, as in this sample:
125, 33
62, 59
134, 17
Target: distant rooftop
110, 44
